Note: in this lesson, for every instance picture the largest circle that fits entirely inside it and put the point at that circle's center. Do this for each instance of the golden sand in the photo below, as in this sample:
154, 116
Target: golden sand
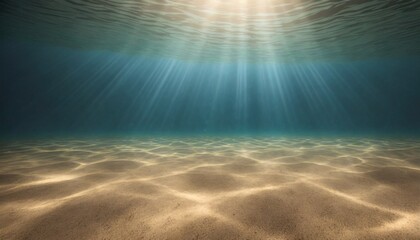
210, 188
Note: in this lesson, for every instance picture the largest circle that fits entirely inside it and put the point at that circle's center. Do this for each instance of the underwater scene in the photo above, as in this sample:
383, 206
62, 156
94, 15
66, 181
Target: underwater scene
210, 119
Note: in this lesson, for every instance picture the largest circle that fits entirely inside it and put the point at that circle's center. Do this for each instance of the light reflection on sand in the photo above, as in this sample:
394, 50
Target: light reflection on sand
210, 188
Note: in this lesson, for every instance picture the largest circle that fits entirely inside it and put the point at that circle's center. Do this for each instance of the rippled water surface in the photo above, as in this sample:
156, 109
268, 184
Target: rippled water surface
210, 119
278, 30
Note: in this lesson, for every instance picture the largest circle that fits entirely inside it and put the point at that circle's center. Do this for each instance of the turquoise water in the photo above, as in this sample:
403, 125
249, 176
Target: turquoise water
288, 67
212, 30
49, 89
208, 119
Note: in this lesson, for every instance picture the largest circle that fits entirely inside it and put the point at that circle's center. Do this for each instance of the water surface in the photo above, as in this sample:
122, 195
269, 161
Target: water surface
284, 30
242, 119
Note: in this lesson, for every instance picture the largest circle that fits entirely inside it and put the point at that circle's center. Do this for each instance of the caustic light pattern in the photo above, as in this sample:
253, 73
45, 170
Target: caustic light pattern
210, 188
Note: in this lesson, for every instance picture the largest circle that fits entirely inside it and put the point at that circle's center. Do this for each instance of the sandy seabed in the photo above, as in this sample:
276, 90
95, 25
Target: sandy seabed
210, 188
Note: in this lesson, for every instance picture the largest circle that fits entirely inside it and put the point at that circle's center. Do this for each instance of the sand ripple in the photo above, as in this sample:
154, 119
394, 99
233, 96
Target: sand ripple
210, 188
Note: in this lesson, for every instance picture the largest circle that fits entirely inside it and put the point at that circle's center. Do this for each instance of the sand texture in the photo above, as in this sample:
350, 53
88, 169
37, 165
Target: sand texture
210, 188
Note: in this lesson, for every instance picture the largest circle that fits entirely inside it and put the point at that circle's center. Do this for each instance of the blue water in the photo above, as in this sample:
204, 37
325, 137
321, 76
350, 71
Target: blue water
50, 89
241, 119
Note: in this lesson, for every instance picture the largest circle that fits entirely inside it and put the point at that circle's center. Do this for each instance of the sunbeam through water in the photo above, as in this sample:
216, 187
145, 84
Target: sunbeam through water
208, 119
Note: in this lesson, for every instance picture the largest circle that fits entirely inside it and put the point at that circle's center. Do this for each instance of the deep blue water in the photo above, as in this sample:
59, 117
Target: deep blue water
48, 89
